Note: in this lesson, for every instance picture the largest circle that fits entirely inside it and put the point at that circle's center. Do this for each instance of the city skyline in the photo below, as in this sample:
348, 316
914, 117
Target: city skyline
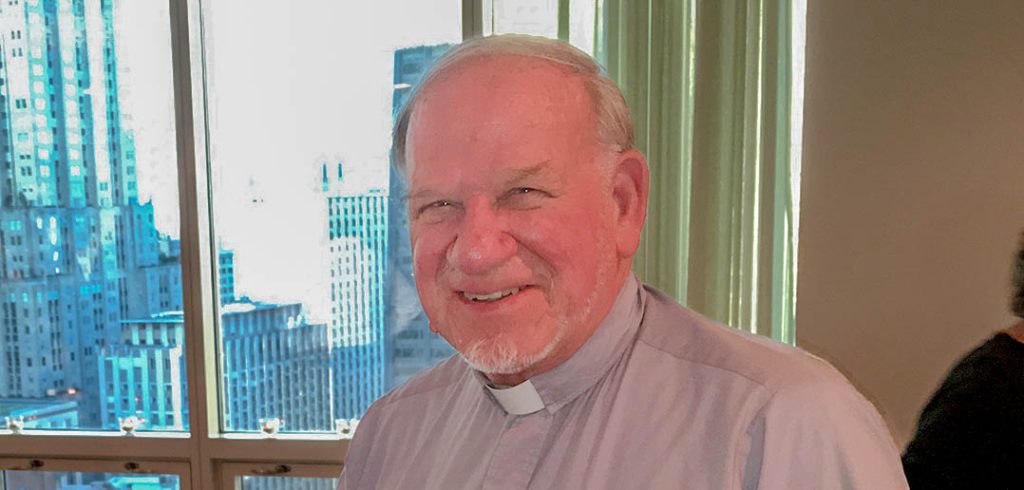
74, 239
115, 271
318, 310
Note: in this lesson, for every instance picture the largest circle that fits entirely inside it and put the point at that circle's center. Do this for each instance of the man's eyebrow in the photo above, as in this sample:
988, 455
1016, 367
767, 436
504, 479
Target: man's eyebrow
515, 177
421, 194
518, 175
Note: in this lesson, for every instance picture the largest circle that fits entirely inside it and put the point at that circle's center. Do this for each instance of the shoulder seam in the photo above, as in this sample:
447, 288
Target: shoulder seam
720, 368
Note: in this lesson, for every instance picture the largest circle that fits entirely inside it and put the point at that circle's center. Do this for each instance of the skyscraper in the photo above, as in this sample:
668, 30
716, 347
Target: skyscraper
275, 365
74, 240
145, 376
411, 346
357, 237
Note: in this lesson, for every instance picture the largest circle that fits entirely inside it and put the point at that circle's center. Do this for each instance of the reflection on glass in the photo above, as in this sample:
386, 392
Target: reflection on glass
89, 255
536, 17
321, 317
284, 483
49, 480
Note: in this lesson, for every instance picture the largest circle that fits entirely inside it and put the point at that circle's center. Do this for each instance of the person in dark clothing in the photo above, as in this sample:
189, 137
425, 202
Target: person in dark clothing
971, 433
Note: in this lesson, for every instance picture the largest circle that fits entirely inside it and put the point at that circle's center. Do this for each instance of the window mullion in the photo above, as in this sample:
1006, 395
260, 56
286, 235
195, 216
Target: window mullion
563, 20
287, 448
197, 280
472, 19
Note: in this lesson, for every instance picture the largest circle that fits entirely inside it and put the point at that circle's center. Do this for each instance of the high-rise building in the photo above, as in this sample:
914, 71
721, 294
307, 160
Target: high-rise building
410, 66
411, 346
142, 372
275, 365
51, 413
144, 375
226, 276
77, 249
357, 238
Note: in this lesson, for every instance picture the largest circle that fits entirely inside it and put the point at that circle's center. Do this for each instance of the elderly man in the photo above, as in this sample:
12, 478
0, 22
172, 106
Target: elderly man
526, 201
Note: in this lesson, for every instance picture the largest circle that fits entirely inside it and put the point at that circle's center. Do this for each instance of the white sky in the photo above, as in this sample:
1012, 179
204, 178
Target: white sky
287, 90
291, 85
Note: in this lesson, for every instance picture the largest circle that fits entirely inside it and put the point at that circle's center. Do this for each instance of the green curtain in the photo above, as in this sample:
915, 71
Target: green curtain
708, 82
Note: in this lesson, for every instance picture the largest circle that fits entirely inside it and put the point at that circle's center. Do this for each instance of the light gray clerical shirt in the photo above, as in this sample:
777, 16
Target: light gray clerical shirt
658, 397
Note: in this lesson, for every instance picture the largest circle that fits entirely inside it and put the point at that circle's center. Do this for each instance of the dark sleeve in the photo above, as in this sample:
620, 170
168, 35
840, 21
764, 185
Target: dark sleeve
969, 433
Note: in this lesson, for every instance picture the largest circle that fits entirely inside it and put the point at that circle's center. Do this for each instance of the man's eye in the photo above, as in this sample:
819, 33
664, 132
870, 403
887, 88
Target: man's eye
524, 191
524, 197
435, 207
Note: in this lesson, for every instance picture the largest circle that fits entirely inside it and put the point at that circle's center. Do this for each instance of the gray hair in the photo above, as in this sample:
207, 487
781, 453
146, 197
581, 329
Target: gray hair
614, 125
1017, 296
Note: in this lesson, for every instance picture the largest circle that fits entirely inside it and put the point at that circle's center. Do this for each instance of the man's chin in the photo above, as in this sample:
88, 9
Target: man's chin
496, 357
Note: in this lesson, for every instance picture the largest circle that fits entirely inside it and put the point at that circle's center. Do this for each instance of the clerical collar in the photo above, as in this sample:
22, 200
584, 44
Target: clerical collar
521, 399
557, 387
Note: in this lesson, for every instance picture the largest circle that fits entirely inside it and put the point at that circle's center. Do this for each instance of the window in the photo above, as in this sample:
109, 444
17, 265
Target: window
285, 305
537, 17
292, 235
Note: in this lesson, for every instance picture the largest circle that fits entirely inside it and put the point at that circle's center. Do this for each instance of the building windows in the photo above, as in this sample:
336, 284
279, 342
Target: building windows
274, 352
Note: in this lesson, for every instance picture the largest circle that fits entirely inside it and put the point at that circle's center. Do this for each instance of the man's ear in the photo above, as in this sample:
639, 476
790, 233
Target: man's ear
631, 182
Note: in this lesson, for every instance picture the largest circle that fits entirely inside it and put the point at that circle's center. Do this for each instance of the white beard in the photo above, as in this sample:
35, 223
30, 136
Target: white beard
501, 355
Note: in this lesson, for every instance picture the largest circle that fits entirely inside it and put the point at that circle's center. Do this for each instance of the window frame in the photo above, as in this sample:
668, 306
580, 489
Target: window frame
132, 467
203, 457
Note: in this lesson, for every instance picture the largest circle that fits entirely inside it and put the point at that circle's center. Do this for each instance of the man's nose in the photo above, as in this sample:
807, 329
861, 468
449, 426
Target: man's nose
483, 242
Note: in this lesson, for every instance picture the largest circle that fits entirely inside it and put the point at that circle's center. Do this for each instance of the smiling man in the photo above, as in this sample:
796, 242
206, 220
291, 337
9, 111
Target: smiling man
526, 202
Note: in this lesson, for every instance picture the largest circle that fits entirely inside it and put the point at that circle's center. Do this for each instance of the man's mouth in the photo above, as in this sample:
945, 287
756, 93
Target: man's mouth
490, 297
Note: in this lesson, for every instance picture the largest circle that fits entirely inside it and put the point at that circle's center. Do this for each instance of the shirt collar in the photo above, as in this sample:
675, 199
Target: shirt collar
555, 388
521, 399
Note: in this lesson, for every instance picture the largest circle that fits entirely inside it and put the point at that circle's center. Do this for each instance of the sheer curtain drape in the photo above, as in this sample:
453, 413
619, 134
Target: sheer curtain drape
711, 86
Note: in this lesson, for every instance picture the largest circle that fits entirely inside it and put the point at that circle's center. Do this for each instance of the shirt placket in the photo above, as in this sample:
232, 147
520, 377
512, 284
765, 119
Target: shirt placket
518, 452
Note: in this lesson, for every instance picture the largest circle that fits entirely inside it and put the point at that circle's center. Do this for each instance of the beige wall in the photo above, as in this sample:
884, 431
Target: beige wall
913, 188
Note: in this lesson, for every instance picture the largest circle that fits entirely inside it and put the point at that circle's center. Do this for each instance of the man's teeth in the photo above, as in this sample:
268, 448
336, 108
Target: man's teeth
493, 296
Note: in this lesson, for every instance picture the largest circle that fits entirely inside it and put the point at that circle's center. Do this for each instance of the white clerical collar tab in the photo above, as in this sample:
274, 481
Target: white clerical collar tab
521, 399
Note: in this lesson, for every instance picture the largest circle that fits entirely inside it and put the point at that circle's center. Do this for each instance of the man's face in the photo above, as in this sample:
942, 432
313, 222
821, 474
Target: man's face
513, 226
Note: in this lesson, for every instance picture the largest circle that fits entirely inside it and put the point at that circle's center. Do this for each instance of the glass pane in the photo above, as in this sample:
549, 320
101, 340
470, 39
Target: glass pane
582, 24
536, 17
284, 483
89, 258
48, 480
318, 313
